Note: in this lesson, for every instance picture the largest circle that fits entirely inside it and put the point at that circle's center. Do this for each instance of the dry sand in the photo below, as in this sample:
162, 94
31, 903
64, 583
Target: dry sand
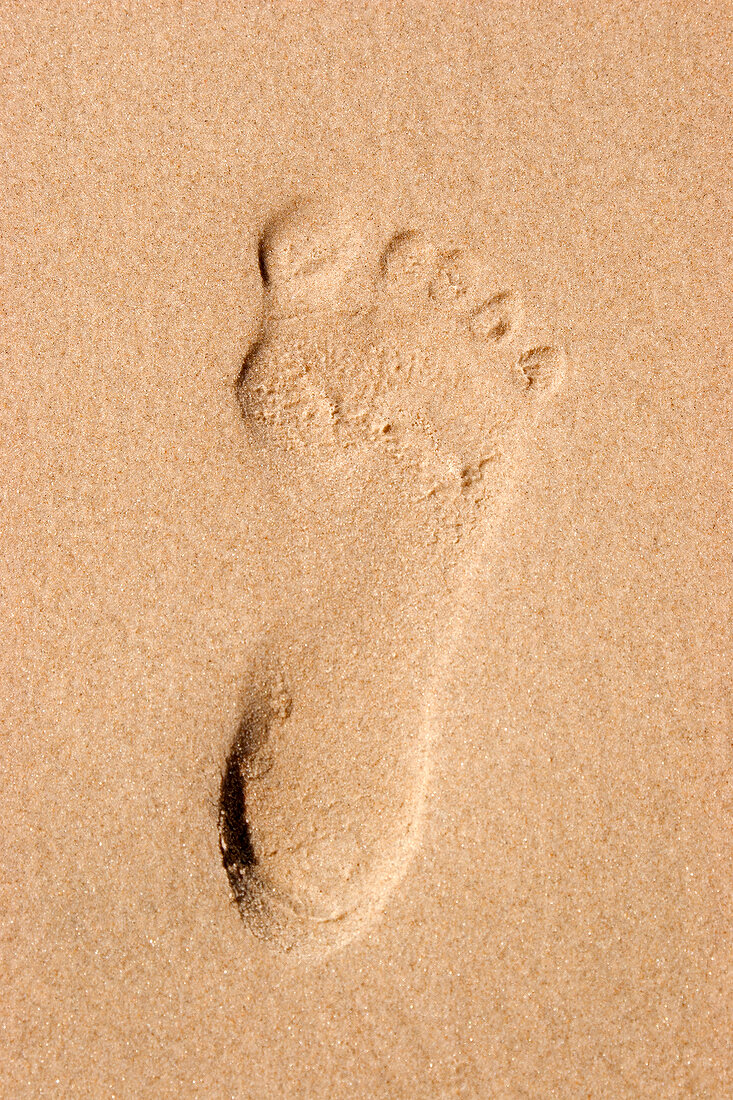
366, 461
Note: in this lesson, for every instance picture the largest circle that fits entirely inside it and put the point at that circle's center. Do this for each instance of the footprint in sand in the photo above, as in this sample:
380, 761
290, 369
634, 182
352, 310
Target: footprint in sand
387, 403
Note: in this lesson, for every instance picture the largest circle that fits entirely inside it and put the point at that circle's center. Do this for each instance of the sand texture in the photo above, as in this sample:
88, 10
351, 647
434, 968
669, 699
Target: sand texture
366, 570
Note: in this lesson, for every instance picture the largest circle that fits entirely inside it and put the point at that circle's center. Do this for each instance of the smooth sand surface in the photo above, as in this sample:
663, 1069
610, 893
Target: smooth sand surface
366, 569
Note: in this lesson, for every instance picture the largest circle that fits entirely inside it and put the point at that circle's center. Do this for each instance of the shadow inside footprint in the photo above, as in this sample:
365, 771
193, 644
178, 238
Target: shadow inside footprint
235, 842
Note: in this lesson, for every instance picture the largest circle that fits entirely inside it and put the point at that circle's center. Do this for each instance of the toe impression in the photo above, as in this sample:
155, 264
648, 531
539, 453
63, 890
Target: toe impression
309, 259
541, 370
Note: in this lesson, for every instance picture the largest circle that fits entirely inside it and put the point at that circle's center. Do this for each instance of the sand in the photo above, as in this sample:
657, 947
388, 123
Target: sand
366, 464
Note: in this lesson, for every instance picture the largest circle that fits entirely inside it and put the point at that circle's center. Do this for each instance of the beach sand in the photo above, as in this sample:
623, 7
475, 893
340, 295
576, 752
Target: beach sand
365, 472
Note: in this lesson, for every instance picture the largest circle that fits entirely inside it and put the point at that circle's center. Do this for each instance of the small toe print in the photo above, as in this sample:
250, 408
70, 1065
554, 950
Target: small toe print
498, 318
542, 369
455, 281
408, 260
